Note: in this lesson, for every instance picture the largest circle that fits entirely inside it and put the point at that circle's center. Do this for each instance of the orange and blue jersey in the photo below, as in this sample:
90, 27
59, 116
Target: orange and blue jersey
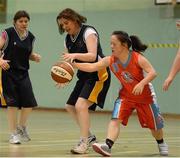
130, 74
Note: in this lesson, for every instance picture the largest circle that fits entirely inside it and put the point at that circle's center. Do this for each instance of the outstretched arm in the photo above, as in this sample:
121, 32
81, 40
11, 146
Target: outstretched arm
91, 67
174, 70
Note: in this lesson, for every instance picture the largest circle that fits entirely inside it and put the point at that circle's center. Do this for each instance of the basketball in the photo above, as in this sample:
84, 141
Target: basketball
62, 72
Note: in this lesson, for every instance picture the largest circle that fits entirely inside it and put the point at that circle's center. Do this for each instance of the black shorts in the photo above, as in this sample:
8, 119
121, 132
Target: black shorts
17, 93
92, 90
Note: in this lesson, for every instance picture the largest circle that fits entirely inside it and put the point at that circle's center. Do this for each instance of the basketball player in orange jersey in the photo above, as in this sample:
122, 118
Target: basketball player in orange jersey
83, 45
137, 92
16, 46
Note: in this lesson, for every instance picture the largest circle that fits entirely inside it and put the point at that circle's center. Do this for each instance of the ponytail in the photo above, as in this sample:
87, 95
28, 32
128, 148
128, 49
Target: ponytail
137, 45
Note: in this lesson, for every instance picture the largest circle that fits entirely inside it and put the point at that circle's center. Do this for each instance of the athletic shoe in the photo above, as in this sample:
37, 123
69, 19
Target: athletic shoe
14, 139
22, 131
91, 140
80, 148
102, 149
163, 149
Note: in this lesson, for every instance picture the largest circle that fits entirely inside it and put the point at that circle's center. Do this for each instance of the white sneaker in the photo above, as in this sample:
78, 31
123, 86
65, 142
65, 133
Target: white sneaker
80, 148
22, 131
102, 149
163, 149
14, 139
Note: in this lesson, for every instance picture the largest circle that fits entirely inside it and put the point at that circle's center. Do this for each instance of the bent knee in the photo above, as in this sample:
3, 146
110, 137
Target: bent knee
69, 107
80, 108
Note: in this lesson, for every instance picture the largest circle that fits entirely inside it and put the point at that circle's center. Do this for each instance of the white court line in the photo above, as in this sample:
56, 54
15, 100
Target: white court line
64, 144
34, 145
70, 142
121, 141
123, 152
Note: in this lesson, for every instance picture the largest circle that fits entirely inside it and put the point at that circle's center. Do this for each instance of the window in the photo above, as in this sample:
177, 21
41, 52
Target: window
3, 11
162, 2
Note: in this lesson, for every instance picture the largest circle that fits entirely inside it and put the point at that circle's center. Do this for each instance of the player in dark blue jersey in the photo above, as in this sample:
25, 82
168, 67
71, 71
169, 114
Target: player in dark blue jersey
16, 45
82, 44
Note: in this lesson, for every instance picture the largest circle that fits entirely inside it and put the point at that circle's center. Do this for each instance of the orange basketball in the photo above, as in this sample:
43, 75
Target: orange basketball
62, 72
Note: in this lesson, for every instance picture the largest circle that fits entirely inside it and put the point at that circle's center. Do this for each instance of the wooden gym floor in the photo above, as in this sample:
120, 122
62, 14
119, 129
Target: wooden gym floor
54, 133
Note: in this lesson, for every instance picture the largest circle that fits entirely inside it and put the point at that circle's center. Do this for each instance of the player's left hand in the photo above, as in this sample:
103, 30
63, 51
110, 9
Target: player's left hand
37, 58
138, 89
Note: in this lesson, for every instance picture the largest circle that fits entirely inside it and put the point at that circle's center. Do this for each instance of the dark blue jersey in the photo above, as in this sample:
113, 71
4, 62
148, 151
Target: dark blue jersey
78, 44
18, 50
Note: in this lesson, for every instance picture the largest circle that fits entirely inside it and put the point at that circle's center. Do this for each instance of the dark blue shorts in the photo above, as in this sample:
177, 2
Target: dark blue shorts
17, 92
92, 90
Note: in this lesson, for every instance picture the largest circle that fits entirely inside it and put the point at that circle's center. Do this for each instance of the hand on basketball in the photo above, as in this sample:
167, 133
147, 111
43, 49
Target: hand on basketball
61, 85
4, 63
69, 57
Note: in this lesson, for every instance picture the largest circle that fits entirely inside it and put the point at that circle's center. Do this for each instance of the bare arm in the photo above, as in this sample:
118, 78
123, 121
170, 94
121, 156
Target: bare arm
174, 70
175, 67
151, 74
91, 67
2, 42
148, 68
3, 63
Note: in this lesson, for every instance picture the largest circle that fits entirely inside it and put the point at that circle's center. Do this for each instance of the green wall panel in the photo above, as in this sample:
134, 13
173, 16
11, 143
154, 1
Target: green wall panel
153, 24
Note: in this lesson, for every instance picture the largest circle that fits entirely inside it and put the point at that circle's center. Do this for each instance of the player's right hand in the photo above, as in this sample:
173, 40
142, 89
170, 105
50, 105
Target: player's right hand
166, 84
61, 85
4, 63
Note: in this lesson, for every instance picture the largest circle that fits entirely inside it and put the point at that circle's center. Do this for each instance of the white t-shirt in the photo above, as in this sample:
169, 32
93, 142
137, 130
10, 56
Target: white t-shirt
88, 32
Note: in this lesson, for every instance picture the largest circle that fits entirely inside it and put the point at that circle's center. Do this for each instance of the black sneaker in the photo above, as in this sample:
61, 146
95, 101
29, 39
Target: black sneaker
102, 149
91, 140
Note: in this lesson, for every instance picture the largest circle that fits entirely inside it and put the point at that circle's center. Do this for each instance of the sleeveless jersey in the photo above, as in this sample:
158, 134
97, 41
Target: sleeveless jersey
78, 44
17, 50
129, 75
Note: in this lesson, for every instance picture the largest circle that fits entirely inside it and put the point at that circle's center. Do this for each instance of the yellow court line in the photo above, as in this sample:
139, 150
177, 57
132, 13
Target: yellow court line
163, 45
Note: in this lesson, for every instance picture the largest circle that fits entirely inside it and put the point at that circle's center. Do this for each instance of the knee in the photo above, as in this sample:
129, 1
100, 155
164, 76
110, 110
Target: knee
68, 108
80, 108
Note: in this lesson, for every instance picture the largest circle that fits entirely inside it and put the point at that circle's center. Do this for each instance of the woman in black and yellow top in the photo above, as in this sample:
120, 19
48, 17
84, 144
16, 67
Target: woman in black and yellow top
16, 45
82, 44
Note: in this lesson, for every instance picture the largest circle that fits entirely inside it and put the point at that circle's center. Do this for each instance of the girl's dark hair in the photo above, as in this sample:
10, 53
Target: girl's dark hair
132, 41
70, 15
21, 13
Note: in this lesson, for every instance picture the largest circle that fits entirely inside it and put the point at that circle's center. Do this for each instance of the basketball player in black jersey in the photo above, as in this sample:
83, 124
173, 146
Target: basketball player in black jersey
16, 45
82, 44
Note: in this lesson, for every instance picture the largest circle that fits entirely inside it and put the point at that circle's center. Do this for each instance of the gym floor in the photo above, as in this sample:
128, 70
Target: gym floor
54, 133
